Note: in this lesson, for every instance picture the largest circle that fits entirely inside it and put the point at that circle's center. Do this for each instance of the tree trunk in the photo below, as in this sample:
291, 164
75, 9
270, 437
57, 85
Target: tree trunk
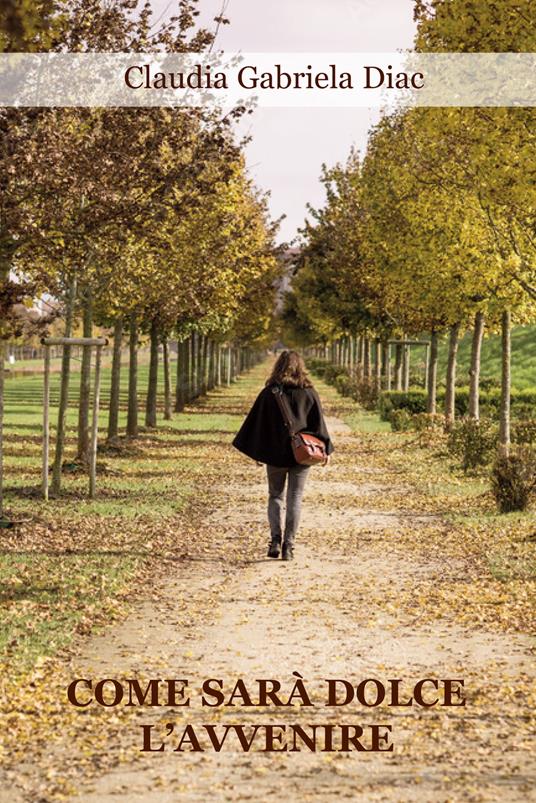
219, 365
359, 359
406, 365
366, 359
152, 387
205, 364
200, 364
214, 360
132, 414
224, 370
182, 376
398, 366
179, 378
474, 373
431, 401
115, 386
450, 393
195, 362
386, 365
95, 426
187, 373
229, 365
85, 384
378, 366
167, 381
64, 390
211, 364
2, 376
504, 428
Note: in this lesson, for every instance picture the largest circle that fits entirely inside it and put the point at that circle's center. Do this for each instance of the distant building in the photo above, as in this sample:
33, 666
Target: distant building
44, 306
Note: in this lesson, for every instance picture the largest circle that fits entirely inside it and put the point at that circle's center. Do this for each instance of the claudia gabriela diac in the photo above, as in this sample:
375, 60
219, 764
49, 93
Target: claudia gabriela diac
204, 77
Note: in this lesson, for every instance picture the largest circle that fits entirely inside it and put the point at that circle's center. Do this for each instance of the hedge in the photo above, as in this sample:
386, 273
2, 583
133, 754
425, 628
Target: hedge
523, 402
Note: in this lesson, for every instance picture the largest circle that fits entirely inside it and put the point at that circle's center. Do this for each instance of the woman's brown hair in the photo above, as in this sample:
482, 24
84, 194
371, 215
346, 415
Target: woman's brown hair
290, 370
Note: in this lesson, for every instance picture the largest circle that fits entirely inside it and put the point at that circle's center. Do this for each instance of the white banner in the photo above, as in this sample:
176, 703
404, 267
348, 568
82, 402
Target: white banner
268, 79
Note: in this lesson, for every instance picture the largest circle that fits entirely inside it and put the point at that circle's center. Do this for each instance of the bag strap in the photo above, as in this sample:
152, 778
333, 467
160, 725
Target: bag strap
284, 406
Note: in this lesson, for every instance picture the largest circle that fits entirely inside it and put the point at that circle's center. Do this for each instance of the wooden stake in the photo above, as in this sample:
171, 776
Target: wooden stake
406, 360
95, 426
219, 365
2, 389
506, 380
46, 423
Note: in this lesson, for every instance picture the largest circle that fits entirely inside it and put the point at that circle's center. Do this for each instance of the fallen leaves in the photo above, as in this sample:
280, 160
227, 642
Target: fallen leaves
402, 570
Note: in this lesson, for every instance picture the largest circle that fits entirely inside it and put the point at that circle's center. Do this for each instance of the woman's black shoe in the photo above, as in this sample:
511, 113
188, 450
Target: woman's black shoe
274, 549
288, 552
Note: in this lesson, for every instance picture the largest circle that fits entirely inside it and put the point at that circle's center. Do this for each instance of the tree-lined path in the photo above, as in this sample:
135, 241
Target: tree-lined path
145, 226
386, 584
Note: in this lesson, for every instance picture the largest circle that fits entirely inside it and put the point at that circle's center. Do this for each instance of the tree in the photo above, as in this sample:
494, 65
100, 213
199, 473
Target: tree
494, 161
96, 203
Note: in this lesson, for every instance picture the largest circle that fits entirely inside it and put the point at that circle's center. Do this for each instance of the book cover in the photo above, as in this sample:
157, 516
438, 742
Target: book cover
267, 400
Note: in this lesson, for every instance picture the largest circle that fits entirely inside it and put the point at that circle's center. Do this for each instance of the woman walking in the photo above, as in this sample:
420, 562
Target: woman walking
264, 436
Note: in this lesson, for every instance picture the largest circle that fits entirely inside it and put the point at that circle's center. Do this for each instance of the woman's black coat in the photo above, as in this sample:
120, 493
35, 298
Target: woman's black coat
264, 437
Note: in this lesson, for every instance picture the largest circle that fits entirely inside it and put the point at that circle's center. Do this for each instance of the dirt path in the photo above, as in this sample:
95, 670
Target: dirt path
336, 611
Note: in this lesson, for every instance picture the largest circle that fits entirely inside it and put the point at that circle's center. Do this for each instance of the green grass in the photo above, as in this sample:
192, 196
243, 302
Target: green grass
516, 563
356, 417
363, 421
35, 366
67, 564
69, 567
523, 358
451, 485
441, 487
71, 589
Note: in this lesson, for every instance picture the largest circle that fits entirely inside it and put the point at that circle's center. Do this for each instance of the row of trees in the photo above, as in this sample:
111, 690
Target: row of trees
141, 221
375, 363
434, 230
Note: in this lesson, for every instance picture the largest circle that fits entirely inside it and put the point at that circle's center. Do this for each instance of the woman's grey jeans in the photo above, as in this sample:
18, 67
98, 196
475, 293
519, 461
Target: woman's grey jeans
296, 475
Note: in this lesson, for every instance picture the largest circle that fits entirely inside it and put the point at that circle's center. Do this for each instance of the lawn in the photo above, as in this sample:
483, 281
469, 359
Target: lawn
523, 358
69, 564
435, 485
